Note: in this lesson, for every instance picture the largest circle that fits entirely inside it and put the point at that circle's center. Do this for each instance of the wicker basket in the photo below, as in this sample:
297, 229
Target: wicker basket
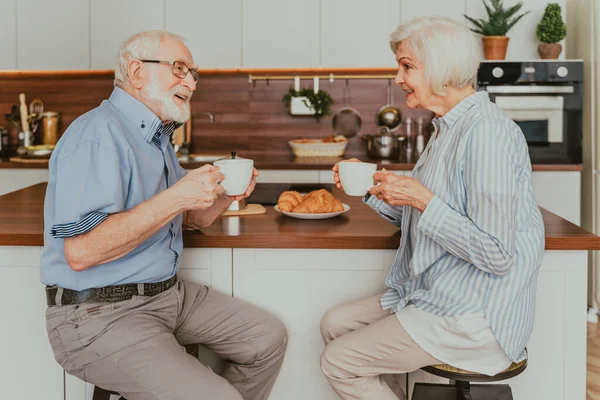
317, 148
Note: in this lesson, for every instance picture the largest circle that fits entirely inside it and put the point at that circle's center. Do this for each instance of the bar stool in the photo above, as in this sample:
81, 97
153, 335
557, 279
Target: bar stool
103, 394
462, 388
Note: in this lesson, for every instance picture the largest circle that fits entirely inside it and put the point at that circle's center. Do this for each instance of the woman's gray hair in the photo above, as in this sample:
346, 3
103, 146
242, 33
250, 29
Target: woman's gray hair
142, 45
450, 52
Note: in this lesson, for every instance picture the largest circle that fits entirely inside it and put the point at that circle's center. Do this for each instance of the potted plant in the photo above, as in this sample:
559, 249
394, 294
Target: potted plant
550, 31
308, 102
493, 30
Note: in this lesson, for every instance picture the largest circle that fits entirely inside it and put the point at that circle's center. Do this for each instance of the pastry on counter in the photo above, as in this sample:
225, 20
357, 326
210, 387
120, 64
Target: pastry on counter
288, 200
319, 201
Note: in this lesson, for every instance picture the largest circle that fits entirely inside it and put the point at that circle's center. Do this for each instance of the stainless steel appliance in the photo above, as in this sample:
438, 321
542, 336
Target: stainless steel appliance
545, 98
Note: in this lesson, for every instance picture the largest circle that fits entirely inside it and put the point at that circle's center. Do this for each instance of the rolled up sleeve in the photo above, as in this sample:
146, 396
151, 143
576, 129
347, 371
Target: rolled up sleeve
91, 185
388, 212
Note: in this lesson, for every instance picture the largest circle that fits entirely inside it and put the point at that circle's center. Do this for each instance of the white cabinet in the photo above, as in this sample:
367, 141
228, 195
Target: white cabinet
559, 192
212, 30
53, 34
8, 33
356, 33
299, 286
280, 34
453, 9
523, 43
12, 179
27, 366
113, 21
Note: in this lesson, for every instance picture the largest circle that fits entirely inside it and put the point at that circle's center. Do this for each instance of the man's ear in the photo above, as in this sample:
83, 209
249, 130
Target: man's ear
137, 74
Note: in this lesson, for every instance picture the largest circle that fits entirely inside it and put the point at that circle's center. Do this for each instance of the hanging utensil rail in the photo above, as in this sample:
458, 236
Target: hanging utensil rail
330, 77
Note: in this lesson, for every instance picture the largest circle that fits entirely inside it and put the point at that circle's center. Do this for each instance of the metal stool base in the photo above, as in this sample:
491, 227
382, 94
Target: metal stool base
460, 391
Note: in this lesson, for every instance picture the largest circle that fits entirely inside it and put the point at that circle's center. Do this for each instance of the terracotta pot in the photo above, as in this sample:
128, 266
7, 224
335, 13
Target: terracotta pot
549, 51
494, 47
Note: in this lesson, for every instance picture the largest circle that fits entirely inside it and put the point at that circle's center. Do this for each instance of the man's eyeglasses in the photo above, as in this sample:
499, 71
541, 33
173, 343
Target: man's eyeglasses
180, 70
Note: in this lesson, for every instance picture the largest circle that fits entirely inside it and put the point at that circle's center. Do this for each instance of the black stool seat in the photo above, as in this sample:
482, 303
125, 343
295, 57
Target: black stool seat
462, 388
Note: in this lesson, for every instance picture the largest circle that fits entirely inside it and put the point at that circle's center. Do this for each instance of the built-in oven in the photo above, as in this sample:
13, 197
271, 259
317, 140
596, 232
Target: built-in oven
545, 99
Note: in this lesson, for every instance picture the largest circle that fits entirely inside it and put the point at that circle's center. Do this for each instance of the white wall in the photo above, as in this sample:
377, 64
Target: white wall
85, 34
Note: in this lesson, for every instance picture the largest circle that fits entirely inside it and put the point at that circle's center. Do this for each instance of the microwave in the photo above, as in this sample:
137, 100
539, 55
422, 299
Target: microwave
545, 99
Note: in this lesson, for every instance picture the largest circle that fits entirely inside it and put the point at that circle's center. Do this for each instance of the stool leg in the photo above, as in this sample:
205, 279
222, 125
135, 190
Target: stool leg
463, 390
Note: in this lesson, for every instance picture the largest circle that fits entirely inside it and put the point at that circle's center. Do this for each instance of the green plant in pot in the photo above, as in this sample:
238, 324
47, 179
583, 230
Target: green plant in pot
550, 31
494, 29
307, 102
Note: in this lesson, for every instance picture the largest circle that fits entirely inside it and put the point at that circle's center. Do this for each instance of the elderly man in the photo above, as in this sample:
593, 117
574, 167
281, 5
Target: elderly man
116, 205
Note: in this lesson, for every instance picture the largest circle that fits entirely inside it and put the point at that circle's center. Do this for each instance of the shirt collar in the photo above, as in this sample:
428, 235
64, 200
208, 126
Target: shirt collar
146, 122
461, 108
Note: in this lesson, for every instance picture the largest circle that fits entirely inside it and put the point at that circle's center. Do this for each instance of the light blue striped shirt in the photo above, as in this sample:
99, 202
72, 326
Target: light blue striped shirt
479, 243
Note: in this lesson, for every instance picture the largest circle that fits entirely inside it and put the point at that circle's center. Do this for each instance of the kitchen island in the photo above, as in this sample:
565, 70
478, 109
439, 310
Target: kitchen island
297, 269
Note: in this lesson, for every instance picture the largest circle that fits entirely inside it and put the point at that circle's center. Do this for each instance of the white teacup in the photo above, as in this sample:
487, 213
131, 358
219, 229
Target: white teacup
356, 177
238, 174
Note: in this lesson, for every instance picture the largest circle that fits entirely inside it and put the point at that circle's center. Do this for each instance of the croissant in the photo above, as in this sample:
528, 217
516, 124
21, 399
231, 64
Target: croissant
319, 201
288, 200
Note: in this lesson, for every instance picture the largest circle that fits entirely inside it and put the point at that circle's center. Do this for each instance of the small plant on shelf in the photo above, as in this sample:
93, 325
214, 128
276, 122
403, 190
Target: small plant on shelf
550, 31
316, 104
493, 30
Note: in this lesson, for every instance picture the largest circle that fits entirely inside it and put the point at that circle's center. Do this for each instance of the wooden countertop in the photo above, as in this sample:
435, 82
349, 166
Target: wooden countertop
22, 224
288, 161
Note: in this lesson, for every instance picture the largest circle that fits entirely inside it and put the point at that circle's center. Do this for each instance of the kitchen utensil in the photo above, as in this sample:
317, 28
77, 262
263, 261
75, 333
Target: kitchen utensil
25, 136
38, 151
388, 115
14, 117
382, 145
313, 216
347, 120
36, 107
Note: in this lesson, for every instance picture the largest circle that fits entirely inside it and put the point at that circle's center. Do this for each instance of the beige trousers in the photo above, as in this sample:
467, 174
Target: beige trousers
135, 348
363, 342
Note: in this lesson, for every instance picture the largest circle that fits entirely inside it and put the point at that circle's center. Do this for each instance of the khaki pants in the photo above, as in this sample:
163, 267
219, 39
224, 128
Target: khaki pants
363, 342
135, 348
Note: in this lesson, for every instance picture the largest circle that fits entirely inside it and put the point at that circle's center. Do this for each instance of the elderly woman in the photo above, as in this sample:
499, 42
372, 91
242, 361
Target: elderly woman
462, 287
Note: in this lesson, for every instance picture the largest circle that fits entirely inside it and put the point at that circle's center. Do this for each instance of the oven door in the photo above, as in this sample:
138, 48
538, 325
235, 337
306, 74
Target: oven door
549, 116
539, 117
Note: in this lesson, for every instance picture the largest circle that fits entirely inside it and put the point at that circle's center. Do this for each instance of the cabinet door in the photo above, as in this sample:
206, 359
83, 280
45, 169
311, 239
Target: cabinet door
53, 34
27, 364
356, 33
15, 179
212, 30
559, 192
299, 286
113, 21
523, 44
8, 33
453, 9
280, 34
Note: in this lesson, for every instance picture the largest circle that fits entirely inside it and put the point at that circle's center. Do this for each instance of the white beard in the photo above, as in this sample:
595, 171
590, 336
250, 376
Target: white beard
170, 109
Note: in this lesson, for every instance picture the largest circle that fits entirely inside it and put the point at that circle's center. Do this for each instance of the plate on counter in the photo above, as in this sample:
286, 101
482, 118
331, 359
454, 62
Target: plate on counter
313, 215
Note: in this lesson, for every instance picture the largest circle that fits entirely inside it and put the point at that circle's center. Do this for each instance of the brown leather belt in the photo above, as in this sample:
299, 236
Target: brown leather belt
109, 294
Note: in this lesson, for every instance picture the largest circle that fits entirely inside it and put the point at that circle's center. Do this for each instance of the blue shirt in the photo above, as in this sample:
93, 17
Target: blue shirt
110, 160
479, 243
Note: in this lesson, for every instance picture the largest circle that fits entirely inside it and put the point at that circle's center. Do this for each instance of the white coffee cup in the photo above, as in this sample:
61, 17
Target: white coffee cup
238, 174
356, 177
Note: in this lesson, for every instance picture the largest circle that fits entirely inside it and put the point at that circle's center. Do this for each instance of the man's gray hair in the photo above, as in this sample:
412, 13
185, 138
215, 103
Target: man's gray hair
143, 45
450, 52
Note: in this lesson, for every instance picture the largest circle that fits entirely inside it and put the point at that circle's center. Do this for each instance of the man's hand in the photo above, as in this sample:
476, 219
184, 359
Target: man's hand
199, 188
249, 190
400, 190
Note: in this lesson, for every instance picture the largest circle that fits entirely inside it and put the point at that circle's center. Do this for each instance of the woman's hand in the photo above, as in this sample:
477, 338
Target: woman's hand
336, 175
248, 191
400, 190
